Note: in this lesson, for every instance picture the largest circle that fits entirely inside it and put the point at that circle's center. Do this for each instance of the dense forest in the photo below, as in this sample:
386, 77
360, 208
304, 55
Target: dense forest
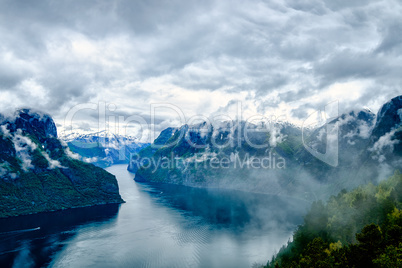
361, 228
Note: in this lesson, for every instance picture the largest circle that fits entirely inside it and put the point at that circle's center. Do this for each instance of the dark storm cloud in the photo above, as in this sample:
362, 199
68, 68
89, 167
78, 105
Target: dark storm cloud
56, 54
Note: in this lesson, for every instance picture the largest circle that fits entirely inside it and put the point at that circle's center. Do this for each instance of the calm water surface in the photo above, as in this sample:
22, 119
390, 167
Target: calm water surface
158, 226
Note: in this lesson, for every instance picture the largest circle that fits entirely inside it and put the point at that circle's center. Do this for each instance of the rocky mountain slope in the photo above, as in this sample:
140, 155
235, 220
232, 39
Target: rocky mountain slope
276, 157
103, 149
38, 173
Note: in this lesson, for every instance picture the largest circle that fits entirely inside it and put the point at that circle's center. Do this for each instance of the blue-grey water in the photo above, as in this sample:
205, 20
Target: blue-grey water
158, 226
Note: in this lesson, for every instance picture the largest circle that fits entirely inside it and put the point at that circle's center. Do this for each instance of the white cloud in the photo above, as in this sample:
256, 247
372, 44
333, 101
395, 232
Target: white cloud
70, 154
5, 131
52, 163
385, 142
90, 159
23, 147
275, 136
277, 58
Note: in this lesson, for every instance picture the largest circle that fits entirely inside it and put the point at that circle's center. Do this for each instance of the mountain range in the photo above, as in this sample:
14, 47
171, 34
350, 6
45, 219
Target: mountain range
278, 157
103, 149
40, 172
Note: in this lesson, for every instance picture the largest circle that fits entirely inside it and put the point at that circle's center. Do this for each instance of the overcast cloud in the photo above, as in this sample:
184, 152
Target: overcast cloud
276, 57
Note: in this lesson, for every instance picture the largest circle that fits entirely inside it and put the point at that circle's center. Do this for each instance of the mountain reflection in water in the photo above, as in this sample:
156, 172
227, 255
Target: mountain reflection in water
158, 226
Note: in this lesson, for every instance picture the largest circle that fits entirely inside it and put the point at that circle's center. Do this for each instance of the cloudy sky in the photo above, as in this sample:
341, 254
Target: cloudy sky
281, 58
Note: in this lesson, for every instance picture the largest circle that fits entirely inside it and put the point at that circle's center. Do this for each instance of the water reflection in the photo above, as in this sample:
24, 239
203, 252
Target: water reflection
158, 226
227, 208
32, 240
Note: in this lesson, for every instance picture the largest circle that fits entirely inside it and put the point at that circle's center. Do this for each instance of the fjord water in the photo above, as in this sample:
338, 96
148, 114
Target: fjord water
158, 226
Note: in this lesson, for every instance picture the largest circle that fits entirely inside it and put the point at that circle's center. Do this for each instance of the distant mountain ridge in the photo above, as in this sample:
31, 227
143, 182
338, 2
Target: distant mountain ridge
368, 148
102, 148
38, 172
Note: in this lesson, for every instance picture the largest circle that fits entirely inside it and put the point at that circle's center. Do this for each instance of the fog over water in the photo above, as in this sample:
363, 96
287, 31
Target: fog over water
158, 226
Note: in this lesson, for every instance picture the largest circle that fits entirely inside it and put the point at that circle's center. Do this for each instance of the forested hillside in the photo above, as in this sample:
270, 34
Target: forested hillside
361, 228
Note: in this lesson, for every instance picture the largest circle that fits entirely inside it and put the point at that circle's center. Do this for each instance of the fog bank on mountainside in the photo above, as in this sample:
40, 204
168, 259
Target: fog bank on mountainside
273, 157
37, 174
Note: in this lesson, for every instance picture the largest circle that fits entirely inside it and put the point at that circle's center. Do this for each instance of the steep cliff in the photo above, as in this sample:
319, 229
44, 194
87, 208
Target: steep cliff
38, 173
274, 158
